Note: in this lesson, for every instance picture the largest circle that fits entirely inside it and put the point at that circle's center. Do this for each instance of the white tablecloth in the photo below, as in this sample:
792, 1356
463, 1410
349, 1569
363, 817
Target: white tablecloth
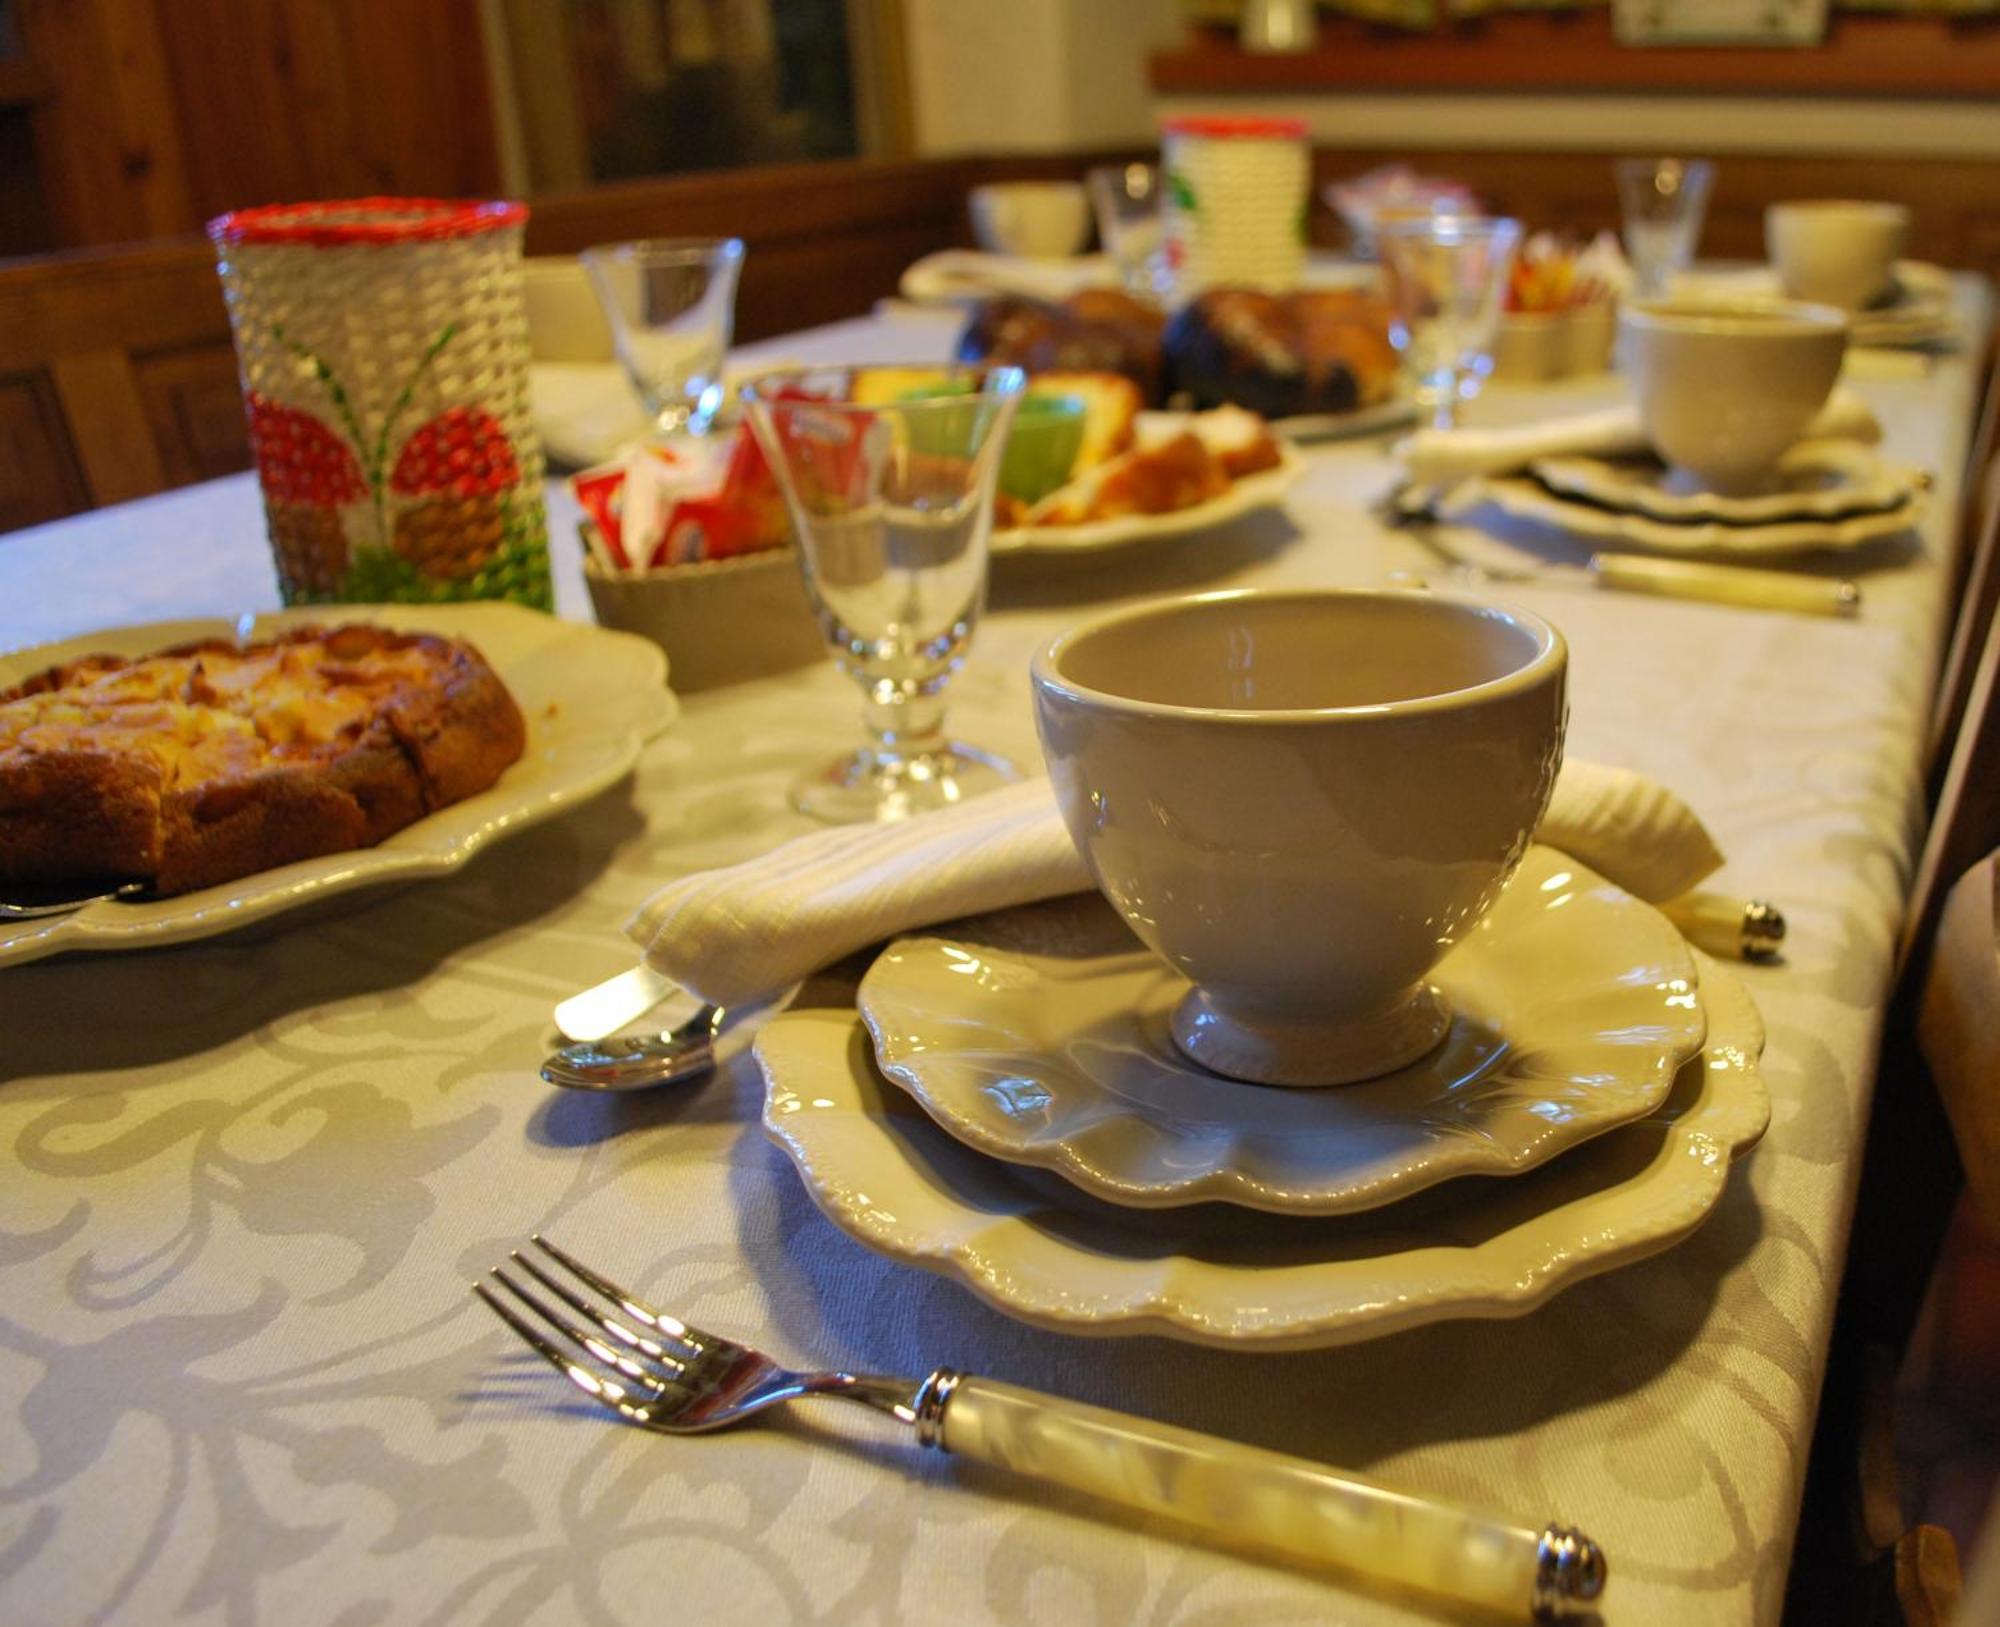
249, 1180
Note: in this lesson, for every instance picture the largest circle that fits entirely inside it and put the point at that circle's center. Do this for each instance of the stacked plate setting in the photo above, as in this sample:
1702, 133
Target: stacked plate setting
1825, 495
1916, 312
1006, 1107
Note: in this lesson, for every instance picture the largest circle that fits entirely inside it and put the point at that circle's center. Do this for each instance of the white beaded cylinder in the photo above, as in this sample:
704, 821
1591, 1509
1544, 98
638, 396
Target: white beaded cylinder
1235, 203
383, 348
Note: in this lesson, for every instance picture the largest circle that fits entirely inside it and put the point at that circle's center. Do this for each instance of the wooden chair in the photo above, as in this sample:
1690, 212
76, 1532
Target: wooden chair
1978, 580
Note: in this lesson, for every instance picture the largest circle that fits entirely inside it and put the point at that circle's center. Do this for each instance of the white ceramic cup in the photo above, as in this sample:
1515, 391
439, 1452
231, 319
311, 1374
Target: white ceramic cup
1302, 800
1044, 220
1725, 387
1836, 252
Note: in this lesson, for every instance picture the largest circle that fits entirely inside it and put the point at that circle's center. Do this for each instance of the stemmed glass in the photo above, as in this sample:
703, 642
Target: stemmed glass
671, 303
1126, 200
1665, 201
891, 495
1445, 275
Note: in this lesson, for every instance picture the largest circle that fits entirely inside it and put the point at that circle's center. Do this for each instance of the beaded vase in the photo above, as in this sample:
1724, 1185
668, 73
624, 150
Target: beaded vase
383, 347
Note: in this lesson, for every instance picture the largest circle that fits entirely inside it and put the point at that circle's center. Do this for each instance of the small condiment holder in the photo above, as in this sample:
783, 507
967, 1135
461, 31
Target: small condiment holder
681, 546
721, 621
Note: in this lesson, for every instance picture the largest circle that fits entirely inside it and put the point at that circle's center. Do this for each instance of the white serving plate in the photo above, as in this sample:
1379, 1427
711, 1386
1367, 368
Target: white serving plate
591, 698
1263, 490
1573, 1006
1035, 1248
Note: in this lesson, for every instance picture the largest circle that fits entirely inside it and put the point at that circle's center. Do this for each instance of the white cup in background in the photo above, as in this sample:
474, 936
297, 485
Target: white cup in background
1836, 252
1043, 220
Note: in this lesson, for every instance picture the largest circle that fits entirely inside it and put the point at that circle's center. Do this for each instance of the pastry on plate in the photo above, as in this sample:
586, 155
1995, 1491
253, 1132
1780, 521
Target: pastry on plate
210, 761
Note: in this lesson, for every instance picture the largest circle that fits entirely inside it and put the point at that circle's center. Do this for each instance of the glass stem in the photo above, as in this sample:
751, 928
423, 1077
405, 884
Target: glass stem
903, 723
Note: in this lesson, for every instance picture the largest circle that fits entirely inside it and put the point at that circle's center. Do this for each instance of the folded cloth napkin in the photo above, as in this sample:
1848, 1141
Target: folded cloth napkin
952, 275
1439, 457
735, 934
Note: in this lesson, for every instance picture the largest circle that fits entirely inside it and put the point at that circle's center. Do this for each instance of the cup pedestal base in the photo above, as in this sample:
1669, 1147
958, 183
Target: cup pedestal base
869, 785
1267, 1051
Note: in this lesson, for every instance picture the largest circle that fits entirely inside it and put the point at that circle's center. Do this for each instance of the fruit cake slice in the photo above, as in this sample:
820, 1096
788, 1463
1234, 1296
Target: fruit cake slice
212, 760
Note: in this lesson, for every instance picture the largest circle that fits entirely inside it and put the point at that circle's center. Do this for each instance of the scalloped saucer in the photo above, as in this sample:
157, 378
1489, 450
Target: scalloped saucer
1573, 1004
1037, 1249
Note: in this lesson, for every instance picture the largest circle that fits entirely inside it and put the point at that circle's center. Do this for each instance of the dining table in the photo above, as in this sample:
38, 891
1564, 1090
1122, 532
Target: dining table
249, 1179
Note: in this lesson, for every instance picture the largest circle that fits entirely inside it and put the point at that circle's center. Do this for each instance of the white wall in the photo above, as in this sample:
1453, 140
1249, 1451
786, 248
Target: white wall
1033, 75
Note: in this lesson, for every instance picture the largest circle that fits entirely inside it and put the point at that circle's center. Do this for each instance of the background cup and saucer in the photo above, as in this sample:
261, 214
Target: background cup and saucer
1037, 220
1837, 252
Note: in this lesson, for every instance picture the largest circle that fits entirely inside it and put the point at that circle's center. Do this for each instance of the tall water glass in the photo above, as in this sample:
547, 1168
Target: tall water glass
1664, 201
1445, 276
1126, 201
893, 505
671, 303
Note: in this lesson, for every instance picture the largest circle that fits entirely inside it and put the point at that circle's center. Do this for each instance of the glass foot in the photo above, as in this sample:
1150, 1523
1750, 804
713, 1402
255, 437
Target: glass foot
869, 785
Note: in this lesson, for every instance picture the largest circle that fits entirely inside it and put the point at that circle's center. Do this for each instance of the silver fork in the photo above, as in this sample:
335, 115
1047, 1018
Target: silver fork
656, 1371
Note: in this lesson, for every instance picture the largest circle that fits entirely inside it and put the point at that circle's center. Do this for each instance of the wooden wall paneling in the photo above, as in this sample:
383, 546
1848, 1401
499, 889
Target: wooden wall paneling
107, 423
106, 125
194, 405
1954, 203
288, 99
39, 479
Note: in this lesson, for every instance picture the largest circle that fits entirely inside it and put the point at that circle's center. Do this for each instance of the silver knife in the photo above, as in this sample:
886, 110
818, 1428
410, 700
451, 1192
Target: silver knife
603, 1010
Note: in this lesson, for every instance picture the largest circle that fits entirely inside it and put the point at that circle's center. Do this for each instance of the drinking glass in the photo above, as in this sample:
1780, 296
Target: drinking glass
1664, 201
1126, 200
671, 303
892, 501
1445, 275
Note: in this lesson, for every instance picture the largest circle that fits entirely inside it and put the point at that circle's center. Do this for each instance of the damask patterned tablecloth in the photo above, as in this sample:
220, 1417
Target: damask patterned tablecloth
247, 1181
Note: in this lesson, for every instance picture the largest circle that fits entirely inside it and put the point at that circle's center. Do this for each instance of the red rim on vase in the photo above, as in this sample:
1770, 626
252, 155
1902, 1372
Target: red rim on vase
1236, 127
364, 222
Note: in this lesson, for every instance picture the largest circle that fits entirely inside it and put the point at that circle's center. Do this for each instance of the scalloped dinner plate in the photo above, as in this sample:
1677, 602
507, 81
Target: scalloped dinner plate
1263, 490
1573, 1008
1817, 480
1037, 1249
592, 698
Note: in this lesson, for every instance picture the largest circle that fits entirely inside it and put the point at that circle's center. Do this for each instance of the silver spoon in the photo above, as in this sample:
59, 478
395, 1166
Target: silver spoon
645, 1061
36, 909
639, 1061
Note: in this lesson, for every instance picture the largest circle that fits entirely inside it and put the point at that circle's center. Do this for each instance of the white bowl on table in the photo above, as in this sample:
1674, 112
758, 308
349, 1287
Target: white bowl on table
1836, 252
1301, 800
1039, 220
1725, 387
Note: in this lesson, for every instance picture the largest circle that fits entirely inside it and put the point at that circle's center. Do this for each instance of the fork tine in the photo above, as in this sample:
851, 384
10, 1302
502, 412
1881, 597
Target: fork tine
610, 1324
655, 1318
585, 1341
606, 1392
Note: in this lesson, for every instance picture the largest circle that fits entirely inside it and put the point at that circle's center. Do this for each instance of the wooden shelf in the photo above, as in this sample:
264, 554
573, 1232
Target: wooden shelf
1922, 58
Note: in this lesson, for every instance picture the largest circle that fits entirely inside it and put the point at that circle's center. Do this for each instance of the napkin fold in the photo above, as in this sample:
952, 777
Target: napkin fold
1441, 457
734, 934
952, 275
